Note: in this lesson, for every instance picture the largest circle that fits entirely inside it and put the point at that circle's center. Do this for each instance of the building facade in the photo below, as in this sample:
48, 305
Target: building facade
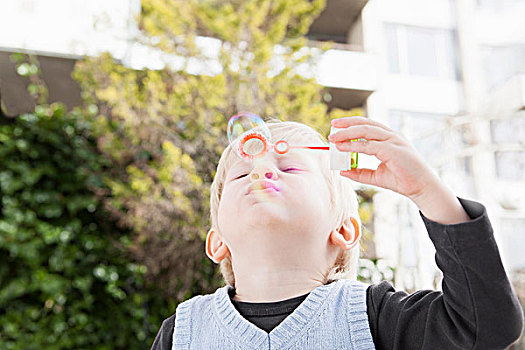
449, 75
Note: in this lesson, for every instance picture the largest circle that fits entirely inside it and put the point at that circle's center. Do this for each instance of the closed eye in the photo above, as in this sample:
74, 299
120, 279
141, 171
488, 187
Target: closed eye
287, 169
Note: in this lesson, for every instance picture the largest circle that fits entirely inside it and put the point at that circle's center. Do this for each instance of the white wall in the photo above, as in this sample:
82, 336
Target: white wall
74, 27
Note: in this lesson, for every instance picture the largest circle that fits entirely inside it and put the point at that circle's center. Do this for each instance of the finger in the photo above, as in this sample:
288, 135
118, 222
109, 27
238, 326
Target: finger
381, 150
368, 132
357, 120
362, 175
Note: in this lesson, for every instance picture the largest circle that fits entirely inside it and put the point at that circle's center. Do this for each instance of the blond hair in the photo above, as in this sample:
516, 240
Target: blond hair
343, 198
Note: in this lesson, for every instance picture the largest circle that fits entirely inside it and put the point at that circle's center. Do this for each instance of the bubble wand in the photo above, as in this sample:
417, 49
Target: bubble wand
249, 136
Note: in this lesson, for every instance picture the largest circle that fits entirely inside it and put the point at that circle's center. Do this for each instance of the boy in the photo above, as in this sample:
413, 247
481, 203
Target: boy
289, 257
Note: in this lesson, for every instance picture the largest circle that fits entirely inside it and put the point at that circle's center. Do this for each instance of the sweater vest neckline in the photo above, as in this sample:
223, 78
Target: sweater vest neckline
266, 309
245, 332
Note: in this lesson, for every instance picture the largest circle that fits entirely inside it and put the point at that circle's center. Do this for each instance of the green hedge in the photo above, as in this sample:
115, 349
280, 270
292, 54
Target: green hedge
64, 284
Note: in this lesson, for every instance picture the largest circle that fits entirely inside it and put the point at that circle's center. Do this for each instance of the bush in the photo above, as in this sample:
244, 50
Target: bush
64, 284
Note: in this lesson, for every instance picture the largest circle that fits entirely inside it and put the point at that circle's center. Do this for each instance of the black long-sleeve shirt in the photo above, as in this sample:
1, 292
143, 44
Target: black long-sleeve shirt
477, 308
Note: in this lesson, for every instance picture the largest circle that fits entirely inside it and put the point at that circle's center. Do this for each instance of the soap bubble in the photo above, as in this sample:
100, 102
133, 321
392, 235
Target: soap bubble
248, 135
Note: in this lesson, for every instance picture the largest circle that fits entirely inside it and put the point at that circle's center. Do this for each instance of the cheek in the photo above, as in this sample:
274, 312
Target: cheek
309, 194
320, 192
223, 203
229, 197
230, 192
223, 213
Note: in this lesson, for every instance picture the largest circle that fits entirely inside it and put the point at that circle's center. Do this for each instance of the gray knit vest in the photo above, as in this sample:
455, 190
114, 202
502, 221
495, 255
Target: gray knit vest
333, 316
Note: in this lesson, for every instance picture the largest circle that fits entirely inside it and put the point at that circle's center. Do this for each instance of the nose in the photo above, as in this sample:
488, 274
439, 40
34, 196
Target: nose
262, 171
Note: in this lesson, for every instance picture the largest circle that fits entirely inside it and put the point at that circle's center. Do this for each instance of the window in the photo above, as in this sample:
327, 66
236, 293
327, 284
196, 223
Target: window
508, 131
510, 165
392, 48
464, 165
512, 233
27, 6
497, 4
426, 131
421, 51
501, 63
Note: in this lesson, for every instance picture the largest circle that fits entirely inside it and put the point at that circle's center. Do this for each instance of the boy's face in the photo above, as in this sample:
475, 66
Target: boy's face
291, 226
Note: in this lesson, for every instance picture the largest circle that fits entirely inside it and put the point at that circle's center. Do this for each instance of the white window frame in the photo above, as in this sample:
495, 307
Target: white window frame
446, 67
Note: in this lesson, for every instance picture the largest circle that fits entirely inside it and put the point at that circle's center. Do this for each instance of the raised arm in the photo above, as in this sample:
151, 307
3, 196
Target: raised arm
477, 309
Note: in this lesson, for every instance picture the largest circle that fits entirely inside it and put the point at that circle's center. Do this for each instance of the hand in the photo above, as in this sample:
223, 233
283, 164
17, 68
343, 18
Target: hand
402, 168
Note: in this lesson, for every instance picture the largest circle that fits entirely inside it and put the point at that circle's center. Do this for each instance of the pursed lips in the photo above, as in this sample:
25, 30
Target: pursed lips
262, 185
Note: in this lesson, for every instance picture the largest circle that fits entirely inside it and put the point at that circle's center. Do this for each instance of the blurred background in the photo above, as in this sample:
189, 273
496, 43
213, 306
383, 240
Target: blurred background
113, 119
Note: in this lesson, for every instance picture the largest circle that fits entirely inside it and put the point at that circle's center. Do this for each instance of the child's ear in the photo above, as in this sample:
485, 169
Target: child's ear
348, 235
216, 248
